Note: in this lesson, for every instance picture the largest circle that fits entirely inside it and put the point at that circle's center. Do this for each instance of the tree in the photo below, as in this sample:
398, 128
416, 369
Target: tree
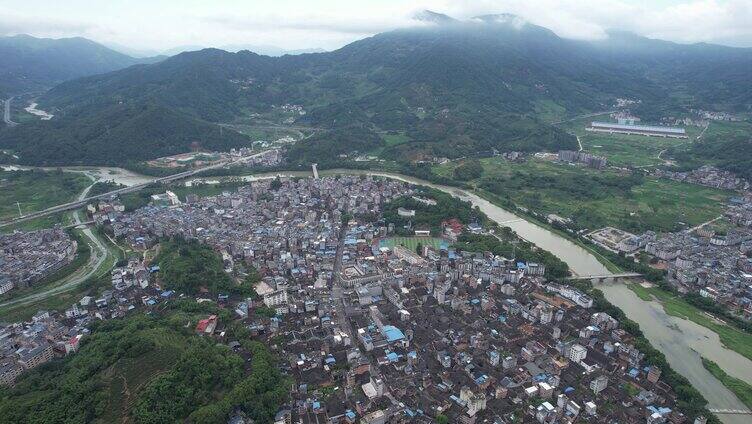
419, 248
276, 184
442, 419
468, 170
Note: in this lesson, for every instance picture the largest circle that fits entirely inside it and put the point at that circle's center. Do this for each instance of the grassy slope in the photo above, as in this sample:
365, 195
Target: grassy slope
740, 388
628, 150
731, 337
728, 129
128, 376
37, 190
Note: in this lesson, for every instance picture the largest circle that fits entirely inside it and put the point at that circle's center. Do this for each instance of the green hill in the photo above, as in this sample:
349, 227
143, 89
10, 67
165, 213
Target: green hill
33, 64
453, 88
149, 369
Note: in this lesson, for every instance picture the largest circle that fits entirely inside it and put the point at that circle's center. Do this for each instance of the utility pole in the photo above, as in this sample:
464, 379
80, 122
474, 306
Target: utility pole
19, 210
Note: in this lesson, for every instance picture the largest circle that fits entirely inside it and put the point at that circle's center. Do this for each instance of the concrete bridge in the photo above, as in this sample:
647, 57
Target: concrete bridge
606, 278
731, 411
80, 224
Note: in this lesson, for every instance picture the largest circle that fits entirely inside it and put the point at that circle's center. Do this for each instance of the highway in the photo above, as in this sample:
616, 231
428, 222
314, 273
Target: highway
99, 251
6, 113
82, 201
99, 255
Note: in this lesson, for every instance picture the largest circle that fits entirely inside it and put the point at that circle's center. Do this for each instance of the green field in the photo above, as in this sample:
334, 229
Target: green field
390, 140
395, 139
36, 190
412, 242
724, 144
629, 150
731, 337
594, 199
549, 111
728, 129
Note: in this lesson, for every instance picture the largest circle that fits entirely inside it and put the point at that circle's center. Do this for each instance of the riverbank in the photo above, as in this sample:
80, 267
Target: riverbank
610, 266
731, 337
741, 389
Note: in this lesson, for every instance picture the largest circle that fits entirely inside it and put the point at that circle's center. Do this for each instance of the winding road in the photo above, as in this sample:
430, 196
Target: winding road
99, 254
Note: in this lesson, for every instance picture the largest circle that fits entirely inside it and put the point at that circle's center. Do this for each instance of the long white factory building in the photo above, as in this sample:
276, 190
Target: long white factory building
648, 130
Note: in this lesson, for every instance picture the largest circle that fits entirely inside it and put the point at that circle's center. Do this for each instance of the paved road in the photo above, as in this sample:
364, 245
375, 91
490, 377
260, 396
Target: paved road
344, 321
99, 251
702, 133
97, 258
6, 113
697, 227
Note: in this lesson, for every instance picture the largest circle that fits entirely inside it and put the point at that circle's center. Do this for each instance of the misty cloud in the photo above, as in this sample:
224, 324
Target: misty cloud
11, 24
329, 24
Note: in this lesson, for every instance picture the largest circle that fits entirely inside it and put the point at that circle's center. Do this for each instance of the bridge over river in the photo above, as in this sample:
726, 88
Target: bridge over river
606, 278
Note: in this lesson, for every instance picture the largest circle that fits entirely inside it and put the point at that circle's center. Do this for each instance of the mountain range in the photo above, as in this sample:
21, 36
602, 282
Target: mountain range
262, 49
447, 87
36, 64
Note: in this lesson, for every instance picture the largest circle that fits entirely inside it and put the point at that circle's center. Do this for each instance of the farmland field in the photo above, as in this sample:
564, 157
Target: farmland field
598, 198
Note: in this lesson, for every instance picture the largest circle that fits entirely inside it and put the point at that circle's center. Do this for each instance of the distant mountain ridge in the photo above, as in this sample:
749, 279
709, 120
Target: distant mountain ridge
266, 50
451, 88
33, 64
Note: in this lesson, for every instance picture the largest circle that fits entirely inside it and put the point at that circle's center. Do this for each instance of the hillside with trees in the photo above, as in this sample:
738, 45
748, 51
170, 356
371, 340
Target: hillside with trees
454, 89
34, 64
149, 369
190, 267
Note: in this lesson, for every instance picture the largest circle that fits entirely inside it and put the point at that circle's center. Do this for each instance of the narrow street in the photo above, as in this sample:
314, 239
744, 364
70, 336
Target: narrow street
342, 319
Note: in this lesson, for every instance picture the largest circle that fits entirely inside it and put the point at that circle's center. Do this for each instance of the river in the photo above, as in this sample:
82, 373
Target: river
98, 173
680, 340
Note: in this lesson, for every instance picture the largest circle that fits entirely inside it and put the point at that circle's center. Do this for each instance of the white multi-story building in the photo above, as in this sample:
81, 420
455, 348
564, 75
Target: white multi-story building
599, 384
577, 353
275, 298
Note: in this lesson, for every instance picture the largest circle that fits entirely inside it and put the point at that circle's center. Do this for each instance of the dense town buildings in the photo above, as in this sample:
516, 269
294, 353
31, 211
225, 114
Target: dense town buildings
706, 175
372, 333
27, 257
712, 264
588, 159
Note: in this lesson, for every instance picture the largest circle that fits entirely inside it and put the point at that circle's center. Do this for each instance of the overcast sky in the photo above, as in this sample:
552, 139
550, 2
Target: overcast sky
294, 24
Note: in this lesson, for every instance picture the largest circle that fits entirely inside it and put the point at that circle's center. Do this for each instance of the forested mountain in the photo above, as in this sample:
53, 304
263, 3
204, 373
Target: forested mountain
699, 75
451, 88
34, 64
